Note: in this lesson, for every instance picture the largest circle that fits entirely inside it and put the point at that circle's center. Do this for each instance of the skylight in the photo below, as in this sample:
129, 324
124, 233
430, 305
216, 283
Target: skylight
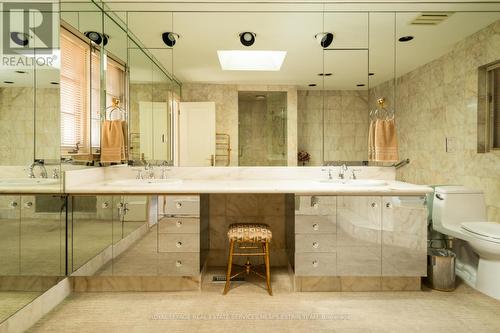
251, 60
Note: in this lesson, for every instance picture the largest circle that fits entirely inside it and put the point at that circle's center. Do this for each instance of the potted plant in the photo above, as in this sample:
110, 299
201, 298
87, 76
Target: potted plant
303, 157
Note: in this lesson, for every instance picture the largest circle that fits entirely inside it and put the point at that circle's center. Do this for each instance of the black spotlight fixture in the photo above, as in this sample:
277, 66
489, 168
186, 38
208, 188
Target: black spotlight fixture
247, 38
170, 38
20, 38
324, 39
405, 39
97, 37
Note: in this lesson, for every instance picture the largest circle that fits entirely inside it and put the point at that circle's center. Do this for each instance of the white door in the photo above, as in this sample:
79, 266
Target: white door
196, 134
154, 128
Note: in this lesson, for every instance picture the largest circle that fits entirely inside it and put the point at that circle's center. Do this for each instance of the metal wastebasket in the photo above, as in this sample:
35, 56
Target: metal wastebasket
441, 269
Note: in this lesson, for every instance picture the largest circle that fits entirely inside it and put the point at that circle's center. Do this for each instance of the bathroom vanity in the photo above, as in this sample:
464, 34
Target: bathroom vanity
363, 234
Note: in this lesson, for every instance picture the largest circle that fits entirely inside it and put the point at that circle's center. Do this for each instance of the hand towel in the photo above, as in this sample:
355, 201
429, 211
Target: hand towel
112, 141
386, 143
371, 141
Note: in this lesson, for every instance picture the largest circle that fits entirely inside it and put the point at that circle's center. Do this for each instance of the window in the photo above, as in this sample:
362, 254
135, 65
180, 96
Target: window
74, 105
80, 92
494, 105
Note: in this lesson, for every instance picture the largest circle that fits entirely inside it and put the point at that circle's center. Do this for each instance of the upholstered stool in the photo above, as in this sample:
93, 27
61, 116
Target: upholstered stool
249, 236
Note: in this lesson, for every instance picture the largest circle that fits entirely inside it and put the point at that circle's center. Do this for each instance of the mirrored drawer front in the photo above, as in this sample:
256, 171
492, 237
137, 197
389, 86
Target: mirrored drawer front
180, 225
178, 242
182, 205
315, 243
179, 264
310, 224
315, 264
315, 205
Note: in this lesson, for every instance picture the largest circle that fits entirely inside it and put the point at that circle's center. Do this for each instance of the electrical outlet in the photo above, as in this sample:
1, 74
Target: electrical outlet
451, 144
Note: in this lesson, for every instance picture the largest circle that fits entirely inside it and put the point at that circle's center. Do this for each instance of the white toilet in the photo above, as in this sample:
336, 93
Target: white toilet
460, 212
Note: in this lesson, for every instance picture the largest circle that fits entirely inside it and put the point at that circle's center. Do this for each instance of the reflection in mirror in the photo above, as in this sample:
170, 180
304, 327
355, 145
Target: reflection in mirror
141, 104
262, 128
31, 228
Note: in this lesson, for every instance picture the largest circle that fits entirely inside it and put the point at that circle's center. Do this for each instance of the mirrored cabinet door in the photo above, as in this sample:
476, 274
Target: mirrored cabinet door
10, 224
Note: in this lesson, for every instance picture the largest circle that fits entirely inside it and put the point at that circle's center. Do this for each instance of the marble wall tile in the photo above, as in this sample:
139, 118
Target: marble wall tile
439, 101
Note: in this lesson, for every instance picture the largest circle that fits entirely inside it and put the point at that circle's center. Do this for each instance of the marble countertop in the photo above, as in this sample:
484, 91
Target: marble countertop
195, 186
55, 188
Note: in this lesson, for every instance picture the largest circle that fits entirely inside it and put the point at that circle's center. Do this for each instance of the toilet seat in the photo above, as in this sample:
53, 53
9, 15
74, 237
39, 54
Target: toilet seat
489, 231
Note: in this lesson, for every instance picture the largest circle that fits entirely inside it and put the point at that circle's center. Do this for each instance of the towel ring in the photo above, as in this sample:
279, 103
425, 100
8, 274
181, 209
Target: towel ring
115, 106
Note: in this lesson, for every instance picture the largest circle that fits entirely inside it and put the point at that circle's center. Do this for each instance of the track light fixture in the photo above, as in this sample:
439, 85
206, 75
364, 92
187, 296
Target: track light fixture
324, 39
247, 38
97, 37
170, 38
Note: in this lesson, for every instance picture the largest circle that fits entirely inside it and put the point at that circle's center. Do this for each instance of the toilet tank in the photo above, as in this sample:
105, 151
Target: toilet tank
454, 205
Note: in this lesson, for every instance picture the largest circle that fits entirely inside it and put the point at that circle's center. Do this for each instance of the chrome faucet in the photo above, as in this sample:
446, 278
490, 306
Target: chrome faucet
164, 169
150, 171
342, 171
31, 169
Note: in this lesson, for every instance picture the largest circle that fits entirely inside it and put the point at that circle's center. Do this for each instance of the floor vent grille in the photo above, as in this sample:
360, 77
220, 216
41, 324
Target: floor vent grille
222, 279
431, 18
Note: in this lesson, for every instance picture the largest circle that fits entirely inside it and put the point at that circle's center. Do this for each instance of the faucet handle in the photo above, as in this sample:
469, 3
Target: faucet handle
139, 174
354, 173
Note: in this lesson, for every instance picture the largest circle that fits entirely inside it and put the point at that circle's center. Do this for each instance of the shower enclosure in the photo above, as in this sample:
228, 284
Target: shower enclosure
262, 128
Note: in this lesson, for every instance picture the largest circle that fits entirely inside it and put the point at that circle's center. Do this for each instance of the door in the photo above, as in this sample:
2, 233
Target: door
197, 134
154, 131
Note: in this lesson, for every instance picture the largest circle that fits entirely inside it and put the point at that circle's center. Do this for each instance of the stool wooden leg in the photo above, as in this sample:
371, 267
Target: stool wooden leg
229, 266
268, 269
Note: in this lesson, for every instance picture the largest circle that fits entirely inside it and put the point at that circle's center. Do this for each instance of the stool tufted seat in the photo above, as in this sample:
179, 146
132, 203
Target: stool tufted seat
249, 232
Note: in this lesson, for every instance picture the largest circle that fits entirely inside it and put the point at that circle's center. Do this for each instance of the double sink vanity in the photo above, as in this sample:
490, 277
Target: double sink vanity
329, 234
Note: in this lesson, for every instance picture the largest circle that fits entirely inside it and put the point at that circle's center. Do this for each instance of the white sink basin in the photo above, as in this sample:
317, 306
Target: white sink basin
27, 181
145, 182
355, 182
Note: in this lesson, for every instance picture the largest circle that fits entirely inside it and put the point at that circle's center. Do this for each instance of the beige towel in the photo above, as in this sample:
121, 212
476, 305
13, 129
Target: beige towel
371, 141
112, 141
386, 143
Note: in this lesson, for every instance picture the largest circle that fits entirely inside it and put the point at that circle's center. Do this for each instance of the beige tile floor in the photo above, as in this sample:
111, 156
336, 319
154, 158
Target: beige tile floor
247, 308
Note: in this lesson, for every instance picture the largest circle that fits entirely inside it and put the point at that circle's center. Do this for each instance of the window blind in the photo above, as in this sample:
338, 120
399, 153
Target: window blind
73, 87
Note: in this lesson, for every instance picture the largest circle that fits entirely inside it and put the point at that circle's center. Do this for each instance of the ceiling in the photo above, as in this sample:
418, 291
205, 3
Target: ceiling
361, 41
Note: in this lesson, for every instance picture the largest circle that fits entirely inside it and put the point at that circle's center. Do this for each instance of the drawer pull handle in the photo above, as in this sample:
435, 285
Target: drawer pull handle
178, 263
315, 263
374, 205
13, 204
178, 224
179, 244
178, 205
315, 245
315, 226
28, 204
388, 205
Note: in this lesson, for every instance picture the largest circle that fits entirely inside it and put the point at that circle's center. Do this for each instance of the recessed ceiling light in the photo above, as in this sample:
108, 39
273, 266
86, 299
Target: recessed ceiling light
325, 74
405, 39
360, 85
21, 72
8, 82
54, 82
237, 60
312, 85
371, 74
247, 38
